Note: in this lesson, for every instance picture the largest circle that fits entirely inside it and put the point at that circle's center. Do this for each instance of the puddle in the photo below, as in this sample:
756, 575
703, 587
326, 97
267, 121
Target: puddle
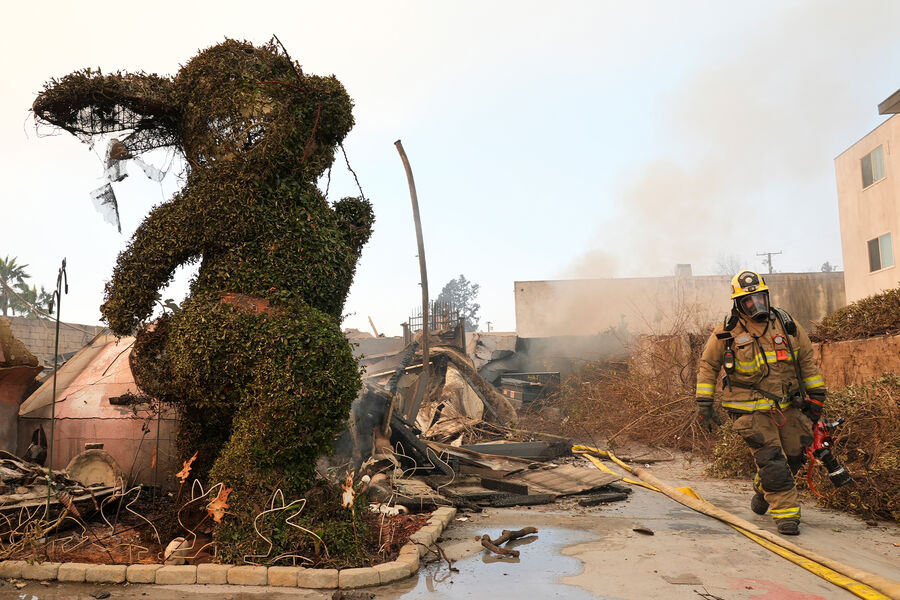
534, 574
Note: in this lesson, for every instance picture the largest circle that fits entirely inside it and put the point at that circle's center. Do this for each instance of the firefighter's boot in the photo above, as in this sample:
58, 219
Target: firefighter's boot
789, 526
758, 503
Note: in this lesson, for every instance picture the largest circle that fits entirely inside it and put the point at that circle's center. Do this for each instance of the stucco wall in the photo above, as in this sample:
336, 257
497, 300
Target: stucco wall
857, 361
38, 336
868, 213
660, 305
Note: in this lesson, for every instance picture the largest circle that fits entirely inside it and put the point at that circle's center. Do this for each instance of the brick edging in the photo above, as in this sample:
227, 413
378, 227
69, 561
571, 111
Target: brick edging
407, 564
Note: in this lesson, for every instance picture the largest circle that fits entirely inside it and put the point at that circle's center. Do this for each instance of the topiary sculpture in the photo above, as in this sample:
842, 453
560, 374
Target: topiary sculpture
255, 359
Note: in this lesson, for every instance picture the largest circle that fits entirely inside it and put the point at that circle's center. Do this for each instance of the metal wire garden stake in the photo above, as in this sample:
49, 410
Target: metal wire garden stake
62, 284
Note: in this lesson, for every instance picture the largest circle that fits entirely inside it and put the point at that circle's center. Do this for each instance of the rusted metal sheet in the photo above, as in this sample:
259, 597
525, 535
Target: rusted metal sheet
84, 414
98, 372
564, 479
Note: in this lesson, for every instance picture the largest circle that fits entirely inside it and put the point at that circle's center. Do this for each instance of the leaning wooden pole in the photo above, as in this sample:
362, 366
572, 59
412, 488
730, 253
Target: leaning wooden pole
423, 378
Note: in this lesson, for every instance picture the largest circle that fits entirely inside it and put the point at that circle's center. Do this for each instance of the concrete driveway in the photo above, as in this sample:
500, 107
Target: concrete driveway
584, 553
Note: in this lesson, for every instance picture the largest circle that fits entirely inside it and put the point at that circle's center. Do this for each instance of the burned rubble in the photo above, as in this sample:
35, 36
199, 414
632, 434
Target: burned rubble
460, 445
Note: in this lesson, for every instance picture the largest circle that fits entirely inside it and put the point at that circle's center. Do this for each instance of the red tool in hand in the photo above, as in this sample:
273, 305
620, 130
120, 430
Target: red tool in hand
820, 450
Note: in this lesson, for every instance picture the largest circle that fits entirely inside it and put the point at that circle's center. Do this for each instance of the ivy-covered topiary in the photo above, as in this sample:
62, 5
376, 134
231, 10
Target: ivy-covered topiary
255, 358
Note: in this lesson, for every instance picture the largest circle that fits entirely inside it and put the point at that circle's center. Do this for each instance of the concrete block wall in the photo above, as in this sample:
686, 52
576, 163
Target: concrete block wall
38, 335
660, 305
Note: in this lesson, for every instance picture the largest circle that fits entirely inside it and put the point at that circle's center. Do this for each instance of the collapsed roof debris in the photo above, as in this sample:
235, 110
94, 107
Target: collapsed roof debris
458, 447
24, 492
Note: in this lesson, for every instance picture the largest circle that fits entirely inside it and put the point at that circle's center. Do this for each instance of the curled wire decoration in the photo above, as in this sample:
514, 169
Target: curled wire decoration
26, 527
121, 496
198, 494
143, 551
433, 459
297, 506
30, 527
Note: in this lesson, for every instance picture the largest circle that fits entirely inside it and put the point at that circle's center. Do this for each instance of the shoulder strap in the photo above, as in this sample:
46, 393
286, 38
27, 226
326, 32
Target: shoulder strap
731, 320
790, 327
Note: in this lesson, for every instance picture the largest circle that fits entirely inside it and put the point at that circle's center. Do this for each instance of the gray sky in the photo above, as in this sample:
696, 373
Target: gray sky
578, 139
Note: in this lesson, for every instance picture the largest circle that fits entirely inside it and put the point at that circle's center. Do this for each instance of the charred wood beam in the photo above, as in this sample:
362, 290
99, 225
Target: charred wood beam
487, 543
522, 500
504, 486
602, 498
424, 457
505, 536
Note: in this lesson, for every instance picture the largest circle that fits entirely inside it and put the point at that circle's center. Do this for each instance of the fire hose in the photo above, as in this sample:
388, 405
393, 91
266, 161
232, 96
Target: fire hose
857, 581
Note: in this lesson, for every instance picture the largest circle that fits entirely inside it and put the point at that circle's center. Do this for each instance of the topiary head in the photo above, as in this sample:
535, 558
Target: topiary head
234, 102
253, 105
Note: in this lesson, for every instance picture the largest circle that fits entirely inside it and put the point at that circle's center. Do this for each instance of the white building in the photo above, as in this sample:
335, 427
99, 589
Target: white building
869, 205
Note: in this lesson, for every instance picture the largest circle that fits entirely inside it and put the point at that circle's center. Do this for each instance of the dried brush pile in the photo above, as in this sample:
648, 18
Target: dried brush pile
868, 445
869, 317
649, 400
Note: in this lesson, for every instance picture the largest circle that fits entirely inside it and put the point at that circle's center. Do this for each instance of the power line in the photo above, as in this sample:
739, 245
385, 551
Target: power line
40, 312
768, 259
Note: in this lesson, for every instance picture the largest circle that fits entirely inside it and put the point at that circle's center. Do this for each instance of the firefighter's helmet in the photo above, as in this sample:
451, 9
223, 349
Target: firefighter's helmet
751, 294
747, 282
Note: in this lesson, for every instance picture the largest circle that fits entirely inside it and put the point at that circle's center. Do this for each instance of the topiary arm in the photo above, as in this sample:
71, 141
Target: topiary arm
88, 103
356, 217
164, 241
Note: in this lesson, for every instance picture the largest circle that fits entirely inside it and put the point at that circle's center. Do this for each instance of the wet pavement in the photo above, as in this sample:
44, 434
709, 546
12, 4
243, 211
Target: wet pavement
595, 553
535, 573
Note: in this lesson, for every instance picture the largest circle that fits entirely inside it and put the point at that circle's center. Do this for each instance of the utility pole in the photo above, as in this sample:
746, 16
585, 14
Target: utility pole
768, 260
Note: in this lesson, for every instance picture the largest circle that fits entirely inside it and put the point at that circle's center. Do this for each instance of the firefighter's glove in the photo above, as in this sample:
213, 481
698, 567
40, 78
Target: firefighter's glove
707, 414
813, 405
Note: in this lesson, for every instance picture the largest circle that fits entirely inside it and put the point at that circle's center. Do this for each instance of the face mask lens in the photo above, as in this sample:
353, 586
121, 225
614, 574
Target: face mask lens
755, 306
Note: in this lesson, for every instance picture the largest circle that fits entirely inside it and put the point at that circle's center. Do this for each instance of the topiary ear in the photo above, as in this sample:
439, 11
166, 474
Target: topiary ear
334, 109
87, 103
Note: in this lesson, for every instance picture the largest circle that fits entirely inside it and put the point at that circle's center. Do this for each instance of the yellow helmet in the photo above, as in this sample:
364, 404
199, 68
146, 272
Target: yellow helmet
747, 282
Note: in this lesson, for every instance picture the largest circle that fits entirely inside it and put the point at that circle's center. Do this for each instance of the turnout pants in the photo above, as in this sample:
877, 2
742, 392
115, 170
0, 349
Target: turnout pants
777, 440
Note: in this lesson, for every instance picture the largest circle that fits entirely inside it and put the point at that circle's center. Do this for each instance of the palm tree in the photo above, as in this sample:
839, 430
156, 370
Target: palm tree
46, 301
11, 274
31, 303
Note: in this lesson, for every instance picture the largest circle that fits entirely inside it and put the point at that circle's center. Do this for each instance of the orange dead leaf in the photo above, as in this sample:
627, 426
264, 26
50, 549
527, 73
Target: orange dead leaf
183, 474
153, 458
217, 507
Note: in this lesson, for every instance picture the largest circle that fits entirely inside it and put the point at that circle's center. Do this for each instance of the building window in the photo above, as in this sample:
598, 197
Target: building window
881, 253
873, 167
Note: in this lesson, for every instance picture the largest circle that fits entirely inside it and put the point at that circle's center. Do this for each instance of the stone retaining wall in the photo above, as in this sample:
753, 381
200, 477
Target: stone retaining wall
407, 564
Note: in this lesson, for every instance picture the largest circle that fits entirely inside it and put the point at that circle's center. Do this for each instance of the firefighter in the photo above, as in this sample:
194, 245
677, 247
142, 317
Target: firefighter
772, 390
